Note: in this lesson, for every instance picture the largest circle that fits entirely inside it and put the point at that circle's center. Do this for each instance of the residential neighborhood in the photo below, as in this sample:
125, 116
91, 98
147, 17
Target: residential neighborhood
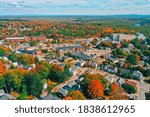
114, 67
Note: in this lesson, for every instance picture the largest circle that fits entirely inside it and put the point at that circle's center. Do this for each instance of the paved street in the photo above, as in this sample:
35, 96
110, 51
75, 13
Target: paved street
74, 77
143, 88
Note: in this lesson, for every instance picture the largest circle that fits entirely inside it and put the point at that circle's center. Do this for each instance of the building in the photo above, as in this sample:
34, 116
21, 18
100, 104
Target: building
83, 56
92, 64
63, 92
37, 38
137, 75
114, 60
112, 70
67, 59
121, 37
71, 84
7, 97
75, 48
123, 71
111, 80
140, 36
120, 81
79, 80
74, 69
16, 39
50, 97
80, 63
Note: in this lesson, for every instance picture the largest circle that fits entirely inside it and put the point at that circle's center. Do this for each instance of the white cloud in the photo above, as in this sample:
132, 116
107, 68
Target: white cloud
76, 6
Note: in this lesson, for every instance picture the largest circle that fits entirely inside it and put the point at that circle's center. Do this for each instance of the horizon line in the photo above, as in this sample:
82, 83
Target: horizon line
71, 14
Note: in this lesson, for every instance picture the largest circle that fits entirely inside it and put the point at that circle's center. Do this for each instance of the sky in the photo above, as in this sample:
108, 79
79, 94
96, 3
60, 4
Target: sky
74, 7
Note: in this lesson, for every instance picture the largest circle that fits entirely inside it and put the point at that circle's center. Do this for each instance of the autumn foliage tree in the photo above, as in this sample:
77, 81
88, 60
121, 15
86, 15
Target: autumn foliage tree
42, 70
108, 30
75, 95
1, 67
13, 79
119, 95
126, 65
137, 57
26, 59
4, 50
114, 88
89, 77
59, 73
95, 89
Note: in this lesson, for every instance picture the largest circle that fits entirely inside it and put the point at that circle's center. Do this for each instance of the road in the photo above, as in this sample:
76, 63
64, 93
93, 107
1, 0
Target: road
74, 77
143, 88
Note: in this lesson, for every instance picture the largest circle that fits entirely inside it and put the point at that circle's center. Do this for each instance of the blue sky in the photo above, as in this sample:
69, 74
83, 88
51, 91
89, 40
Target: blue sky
74, 7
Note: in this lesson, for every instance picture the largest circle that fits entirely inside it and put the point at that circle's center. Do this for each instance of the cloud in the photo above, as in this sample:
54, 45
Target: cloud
75, 6
13, 4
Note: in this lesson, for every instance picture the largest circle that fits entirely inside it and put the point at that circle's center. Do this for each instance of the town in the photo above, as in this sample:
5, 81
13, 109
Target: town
106, 65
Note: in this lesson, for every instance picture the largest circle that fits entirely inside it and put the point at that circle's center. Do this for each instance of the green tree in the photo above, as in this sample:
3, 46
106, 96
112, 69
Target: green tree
125, 44
147, 80
129, 88
13, 57
36, 60
94, 42
135, 42
2, 82
108, 90
42, 70
147, 73
34, 84
147, 95
146, 52
119, 53
132, 59
10, 83
33, 43
59, 74
2, 52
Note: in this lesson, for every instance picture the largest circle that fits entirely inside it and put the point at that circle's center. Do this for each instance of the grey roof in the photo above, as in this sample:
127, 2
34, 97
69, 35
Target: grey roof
13, 38
68, 47
7, 97
50, 97
74, 68
122, 70
111, 59
62, 91
120, 81
137, 74
71, 84
83, 56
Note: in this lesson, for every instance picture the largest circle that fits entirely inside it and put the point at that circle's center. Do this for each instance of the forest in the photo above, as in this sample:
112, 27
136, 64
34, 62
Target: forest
73, 27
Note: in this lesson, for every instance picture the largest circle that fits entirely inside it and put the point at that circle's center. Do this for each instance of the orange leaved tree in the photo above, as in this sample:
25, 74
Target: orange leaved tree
95, 89
114, 88
1, 67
